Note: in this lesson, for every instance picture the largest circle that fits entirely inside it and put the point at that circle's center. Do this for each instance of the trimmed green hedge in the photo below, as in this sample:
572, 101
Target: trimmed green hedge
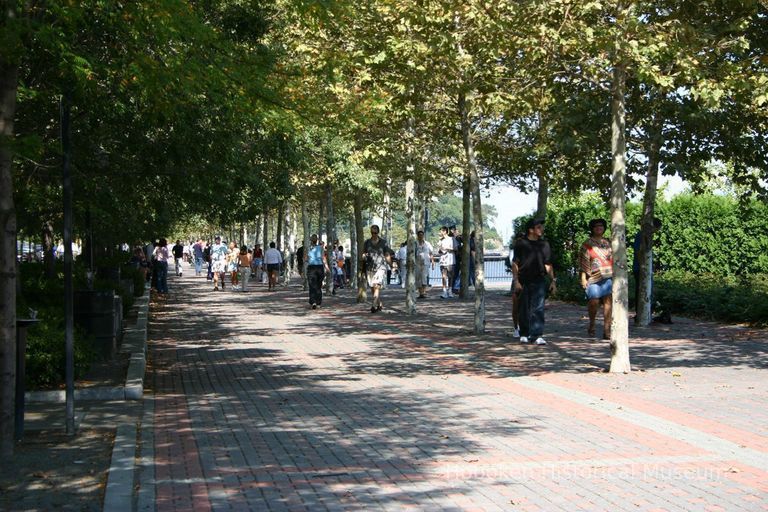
711, 254
45, 340
734, 299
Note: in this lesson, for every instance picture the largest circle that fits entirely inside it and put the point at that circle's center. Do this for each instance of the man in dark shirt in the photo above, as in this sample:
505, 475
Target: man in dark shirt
178, 254
531, 266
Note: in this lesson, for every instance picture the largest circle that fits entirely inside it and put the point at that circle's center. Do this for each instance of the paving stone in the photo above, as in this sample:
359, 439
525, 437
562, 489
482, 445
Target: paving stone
262, 404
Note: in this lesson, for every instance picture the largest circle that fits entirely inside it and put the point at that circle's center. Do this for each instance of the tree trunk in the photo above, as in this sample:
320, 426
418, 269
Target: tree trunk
49, 261
542, 197
619, 324
289, 247
362, 293
306, 242
257, 231
410, 215
8, 87
466, 227
320, 217
419, 192
477, 216
266, 230
353, 254
331, 230
280, 224
645, 251
386, 214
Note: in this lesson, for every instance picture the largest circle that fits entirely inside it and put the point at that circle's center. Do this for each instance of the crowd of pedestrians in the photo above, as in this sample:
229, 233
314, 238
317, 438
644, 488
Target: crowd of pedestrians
530, 263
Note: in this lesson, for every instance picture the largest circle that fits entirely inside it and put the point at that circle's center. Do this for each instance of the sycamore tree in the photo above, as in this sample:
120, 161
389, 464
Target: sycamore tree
618, 48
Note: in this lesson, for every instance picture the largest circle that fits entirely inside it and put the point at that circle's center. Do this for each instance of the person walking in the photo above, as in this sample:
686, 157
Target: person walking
530, 268
272, 259
596, 273
162, 256
244, 267
402, 263
219, 253
317, 266
178, 255
232, 257
338, 268
377, 256
447, 251
258, 262
197, 252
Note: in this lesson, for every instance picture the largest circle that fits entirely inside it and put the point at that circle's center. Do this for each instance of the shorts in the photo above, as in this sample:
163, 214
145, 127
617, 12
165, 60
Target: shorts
378, 277
600, 289
273, 267
219, 266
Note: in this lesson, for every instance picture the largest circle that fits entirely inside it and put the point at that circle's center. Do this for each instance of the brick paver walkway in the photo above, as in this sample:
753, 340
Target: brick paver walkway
262, 404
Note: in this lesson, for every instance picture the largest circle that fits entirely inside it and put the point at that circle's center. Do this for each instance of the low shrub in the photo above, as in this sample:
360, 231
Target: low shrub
736, 299
46, 351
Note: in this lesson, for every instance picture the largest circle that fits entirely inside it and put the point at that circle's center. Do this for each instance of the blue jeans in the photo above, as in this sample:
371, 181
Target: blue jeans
198, 265
531, 308
161, 267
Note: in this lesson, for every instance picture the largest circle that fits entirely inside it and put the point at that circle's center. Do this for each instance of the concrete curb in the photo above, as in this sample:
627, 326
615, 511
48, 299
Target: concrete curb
119, 491
134, 343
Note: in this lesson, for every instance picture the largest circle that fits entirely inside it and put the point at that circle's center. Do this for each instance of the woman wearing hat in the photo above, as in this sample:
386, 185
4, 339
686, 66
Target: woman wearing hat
596, 263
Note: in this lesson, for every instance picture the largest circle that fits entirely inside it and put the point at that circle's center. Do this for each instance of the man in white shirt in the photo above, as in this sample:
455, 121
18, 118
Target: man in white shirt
402, 263
446, 249
273, 259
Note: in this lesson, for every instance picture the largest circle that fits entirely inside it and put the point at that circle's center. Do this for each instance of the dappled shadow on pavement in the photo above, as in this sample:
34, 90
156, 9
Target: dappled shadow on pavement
53, 471
259, 399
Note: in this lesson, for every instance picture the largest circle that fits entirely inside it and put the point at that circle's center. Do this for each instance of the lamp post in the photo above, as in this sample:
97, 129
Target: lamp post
69, 343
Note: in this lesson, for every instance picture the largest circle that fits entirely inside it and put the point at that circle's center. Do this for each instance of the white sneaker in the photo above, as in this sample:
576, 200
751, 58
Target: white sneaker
443, 296
541, 341
516, 333
523, 339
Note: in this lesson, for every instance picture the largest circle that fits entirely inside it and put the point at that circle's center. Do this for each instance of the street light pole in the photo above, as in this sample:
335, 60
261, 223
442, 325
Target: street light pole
69, 342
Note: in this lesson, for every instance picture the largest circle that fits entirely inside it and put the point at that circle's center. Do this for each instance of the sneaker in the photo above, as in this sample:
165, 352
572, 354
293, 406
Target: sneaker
516, 333
314, 306
215, 288
541, 341
443, 296
523, 339
373, 309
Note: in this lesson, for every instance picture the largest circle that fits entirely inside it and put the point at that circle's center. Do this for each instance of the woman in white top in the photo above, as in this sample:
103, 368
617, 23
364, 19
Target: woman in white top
162, 255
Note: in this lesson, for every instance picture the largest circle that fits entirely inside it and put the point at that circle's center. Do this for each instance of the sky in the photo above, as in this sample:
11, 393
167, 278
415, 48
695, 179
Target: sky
510, 203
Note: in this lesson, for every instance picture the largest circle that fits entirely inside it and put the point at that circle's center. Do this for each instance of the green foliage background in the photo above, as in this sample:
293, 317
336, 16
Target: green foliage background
711, 255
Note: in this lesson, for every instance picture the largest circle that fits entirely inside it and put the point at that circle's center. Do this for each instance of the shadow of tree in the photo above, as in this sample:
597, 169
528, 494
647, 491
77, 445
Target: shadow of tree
257, 424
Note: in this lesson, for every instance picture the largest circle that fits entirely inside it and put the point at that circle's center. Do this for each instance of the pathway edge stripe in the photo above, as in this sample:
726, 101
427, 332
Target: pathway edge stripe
119, 491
